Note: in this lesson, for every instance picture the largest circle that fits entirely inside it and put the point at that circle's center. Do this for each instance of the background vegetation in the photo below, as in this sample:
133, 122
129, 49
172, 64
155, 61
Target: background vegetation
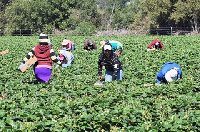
70, 15
70, 102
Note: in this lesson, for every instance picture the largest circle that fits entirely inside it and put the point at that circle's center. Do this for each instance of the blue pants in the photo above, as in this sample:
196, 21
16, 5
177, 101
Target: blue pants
73, 47
66, 65
108, 75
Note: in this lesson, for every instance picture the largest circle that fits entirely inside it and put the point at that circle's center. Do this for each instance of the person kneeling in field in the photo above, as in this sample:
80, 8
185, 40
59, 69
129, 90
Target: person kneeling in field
112, 65
45, 55
89, 45
68, 45
116, 46
169, 72
66, 57
155, 44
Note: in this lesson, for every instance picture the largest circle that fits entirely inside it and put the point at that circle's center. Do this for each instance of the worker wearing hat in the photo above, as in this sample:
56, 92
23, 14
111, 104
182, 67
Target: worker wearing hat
66, 57
68, 45
45, 55
169, 72
112, 65
116, 46
155, 44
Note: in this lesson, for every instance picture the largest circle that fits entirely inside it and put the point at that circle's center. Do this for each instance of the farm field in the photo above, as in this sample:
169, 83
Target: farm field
70, 102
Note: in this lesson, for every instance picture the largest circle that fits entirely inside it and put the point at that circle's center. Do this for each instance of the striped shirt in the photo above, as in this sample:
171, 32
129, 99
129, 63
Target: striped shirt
44, 54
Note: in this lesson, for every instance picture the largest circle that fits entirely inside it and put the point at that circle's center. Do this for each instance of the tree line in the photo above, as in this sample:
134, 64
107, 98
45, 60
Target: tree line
87, 16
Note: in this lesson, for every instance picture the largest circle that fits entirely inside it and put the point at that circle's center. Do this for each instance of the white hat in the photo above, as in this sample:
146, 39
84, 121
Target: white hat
171, 75
157, 43
107, 47
65, 42
43, 38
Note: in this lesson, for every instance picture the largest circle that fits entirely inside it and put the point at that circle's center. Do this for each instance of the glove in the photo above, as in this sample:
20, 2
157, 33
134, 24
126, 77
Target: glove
22, 64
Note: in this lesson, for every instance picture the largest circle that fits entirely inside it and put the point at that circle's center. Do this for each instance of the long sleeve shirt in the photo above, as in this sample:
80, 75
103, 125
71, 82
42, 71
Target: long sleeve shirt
153, 44
112, 64
69, 45
165, 68
69, 58
44, 54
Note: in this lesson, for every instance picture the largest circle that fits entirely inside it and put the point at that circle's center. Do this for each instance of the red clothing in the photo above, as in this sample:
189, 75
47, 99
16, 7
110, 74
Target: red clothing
42, 53
153, 44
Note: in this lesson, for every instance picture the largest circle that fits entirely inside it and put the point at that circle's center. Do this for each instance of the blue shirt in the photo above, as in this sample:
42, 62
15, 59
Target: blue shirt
165, 68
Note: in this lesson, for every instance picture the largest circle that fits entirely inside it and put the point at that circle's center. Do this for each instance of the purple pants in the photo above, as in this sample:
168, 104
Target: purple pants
42, 74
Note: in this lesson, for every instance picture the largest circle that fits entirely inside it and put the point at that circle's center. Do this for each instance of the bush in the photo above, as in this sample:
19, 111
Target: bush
84, 29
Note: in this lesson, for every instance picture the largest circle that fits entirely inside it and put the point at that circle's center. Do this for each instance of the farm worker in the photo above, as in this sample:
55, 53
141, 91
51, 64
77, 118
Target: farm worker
169, 72
45, 55
155, 44
66, 57
112, 65
116, 46
89, 45
68, 45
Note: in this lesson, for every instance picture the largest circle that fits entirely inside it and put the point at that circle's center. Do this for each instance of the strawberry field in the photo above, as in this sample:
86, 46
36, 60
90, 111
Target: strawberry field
71, 102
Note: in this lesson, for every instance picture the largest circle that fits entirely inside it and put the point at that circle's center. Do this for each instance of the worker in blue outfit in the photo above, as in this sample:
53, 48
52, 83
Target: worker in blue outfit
169, 72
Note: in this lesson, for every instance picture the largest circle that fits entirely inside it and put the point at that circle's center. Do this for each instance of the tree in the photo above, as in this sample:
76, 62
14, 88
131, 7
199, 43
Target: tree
126, 16
46, 15
3, 5
41, 15
108, 8
84, 11
187, 11
152, 13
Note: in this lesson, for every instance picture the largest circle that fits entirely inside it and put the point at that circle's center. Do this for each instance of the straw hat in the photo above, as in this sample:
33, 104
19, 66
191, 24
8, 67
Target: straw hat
65, 42
102, 43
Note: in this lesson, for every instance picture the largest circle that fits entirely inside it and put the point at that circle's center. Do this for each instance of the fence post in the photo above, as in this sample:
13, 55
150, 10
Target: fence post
171, 30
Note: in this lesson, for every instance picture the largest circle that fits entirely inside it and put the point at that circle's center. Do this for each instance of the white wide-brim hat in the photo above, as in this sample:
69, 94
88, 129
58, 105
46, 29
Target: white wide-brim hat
171, 75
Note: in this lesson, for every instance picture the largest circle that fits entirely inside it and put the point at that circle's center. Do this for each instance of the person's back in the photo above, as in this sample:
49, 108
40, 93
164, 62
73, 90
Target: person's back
66, 57
166, 73
155, 44
44, 55
90, 45
115, 45
68, 45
